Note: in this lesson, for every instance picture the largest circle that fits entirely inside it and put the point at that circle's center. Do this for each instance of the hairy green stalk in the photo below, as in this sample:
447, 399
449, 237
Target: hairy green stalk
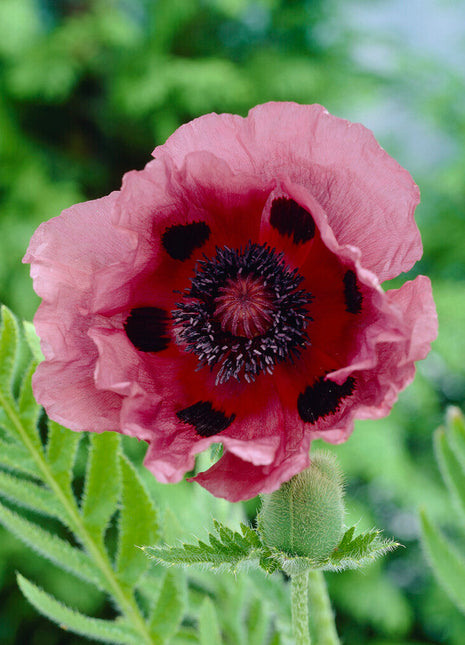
321, 614
299, 604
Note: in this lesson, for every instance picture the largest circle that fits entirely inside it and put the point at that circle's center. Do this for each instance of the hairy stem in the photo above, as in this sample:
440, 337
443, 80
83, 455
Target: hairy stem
321, 614
123, 597
299, 603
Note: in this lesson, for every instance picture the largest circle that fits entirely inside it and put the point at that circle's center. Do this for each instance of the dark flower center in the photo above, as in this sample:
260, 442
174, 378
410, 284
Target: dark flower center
244, 313
244, 307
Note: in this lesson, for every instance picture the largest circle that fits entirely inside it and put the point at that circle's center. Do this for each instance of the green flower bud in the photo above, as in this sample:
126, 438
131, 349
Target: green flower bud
305, 516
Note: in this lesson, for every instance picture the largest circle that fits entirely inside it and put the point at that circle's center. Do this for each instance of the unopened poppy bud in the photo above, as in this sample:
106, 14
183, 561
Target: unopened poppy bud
305, 516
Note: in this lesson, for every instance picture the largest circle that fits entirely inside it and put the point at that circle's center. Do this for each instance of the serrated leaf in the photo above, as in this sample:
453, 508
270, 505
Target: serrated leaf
346, 538
30, 495
251, 536
351, 553
447, 563
70, 619
28, 409
26, 401
355, 552
235, 551
209, 628
61, 452
15, 457
169, 609
138, 524
451, 468
52, 547
9, 334
33, 341
102, 483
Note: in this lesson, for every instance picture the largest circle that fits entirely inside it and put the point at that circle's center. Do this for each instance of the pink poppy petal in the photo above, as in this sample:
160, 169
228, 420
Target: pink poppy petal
64, 266
369, 198
236, 480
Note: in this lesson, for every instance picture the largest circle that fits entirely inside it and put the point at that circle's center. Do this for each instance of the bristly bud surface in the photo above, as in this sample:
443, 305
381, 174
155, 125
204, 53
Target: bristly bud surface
305, 516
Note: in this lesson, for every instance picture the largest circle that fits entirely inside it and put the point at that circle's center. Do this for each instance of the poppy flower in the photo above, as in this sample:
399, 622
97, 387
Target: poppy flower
230, 293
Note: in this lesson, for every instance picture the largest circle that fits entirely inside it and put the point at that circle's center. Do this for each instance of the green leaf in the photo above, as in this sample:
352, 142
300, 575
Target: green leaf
451, 468
61, 452
456, 429
33, 341
277, 639
102, 485
447, 563
15, 457
257, 623
351, 553
52, 547
9, 334
70, 619
250, 536
28, 409
138, 525
230, 550
30, 495
209, 629
355, 552
169, 609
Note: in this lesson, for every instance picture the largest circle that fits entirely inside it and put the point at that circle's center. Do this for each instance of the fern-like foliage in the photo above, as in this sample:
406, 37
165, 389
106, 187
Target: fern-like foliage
36, 473
227, 549
353, 552
448, 561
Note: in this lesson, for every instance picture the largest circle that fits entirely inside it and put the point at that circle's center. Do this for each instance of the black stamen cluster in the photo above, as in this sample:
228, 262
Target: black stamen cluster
237, 356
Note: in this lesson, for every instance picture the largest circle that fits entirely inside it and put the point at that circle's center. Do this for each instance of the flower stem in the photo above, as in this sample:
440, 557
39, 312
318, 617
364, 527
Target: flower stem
321, 614
299, 602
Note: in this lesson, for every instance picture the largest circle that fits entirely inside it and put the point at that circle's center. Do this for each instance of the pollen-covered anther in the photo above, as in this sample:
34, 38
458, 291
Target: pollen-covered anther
244, 307
244, 313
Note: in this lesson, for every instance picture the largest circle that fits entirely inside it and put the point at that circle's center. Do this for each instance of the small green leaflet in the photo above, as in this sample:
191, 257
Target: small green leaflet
101, 630
209, 629
225, 549
447, 561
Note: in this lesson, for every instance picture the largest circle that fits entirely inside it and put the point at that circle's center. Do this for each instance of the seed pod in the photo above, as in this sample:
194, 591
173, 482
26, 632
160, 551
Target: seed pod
305, 516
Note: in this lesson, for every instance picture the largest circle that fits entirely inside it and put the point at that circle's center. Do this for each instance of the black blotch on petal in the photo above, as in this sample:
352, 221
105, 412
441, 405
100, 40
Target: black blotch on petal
147, 329
323, 398
290, 219
180, 240
352, 294
206, 420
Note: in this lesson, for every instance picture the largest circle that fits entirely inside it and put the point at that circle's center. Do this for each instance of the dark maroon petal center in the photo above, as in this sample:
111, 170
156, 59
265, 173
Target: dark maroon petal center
181, 240
205, 419
352, 294
290, 219
323, 398
147, 329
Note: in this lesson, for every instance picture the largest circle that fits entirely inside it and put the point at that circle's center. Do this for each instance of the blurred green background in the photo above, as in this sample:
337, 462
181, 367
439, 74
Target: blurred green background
88, 88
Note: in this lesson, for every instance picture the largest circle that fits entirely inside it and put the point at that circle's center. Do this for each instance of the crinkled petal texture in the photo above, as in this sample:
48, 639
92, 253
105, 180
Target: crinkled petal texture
230, 293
